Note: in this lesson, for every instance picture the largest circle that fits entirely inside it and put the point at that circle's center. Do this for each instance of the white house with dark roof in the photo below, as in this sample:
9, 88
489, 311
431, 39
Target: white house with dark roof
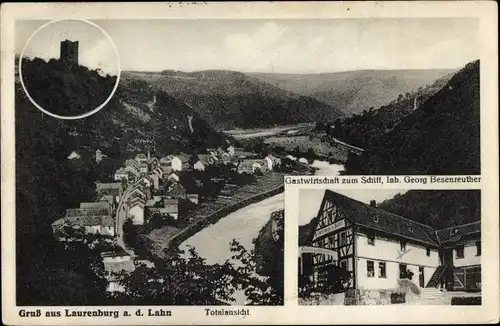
88, 220
115, 262
121, 174
141, 158
379, 248
136, 210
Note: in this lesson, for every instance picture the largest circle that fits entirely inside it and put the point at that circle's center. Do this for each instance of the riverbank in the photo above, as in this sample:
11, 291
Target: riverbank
232, 199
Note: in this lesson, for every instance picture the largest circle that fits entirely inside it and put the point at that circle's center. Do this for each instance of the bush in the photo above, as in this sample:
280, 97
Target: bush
398, 297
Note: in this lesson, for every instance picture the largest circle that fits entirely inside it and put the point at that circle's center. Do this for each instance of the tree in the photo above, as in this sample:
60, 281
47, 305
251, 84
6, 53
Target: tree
130, 233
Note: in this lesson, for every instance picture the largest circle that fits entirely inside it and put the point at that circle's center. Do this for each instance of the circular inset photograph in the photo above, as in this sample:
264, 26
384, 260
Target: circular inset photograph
69, 69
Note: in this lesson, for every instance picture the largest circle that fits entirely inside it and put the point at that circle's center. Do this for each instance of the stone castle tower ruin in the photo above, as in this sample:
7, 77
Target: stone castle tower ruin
69, 52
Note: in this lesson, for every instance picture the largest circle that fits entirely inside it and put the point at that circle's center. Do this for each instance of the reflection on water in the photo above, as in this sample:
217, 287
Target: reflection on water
212, 243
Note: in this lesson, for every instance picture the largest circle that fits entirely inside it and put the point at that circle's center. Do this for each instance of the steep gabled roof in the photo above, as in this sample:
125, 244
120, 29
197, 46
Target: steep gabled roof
379, 220
455, 233
97, 205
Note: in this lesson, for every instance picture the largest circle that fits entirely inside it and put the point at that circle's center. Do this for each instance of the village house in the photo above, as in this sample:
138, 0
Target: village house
194, 198
251, 166
121, 174
99, 156
144, 168
166, 160
304, 161
116, 262
138, 191
231, 150
74, 156
157, 171
136, 210
132, 163
173, 177
111, 200
109, 189
177, 191
141, 158
172, 207
380, 249
273, 162
155, 179
180, 162
132, 171
202, 163
97, 205
89, 220
166, 170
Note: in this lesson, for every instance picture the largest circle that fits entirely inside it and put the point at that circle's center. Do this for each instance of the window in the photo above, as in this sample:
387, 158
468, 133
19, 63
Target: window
402, 271
370, 269
410, 229
371, 239
343, 264
375, 219
381, 270
428, 252
343, 239
460, 252
478, 247
454, 231
403, 245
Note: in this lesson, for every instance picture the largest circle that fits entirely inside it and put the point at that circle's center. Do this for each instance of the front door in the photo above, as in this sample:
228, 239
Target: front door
458, 279
421, 277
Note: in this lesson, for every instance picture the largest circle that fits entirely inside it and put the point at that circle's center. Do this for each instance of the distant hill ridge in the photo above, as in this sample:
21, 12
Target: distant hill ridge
354, 91
228, 99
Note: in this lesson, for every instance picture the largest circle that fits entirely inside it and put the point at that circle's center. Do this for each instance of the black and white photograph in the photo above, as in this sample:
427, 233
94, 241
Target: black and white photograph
389, 247
151, 154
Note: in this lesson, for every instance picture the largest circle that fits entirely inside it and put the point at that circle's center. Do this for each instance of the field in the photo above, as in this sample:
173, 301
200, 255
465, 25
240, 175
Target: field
321, 149
267, 132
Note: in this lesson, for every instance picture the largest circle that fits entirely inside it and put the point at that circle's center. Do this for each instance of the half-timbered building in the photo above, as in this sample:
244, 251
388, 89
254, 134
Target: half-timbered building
379, 248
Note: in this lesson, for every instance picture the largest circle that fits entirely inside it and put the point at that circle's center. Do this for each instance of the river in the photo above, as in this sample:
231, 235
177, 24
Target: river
212, 243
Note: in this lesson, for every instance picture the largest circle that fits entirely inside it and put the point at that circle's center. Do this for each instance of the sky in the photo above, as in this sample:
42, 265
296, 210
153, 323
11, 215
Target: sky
310, 199
280, 46
95, 49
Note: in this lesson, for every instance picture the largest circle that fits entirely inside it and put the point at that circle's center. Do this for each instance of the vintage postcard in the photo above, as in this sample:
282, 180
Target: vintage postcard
249, 163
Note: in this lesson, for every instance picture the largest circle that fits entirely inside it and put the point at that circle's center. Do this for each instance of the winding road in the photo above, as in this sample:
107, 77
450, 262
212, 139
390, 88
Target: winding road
121, 217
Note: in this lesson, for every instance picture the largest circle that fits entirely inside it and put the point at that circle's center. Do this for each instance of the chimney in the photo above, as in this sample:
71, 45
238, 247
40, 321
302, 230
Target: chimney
373, 203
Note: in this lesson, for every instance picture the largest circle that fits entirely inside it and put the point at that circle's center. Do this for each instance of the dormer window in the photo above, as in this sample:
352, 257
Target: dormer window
410, 229
402, 244
454, 231
375, 219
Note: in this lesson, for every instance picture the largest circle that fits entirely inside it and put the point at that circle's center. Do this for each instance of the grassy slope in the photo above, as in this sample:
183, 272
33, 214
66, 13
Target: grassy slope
441, 137
228, 99
354, 91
